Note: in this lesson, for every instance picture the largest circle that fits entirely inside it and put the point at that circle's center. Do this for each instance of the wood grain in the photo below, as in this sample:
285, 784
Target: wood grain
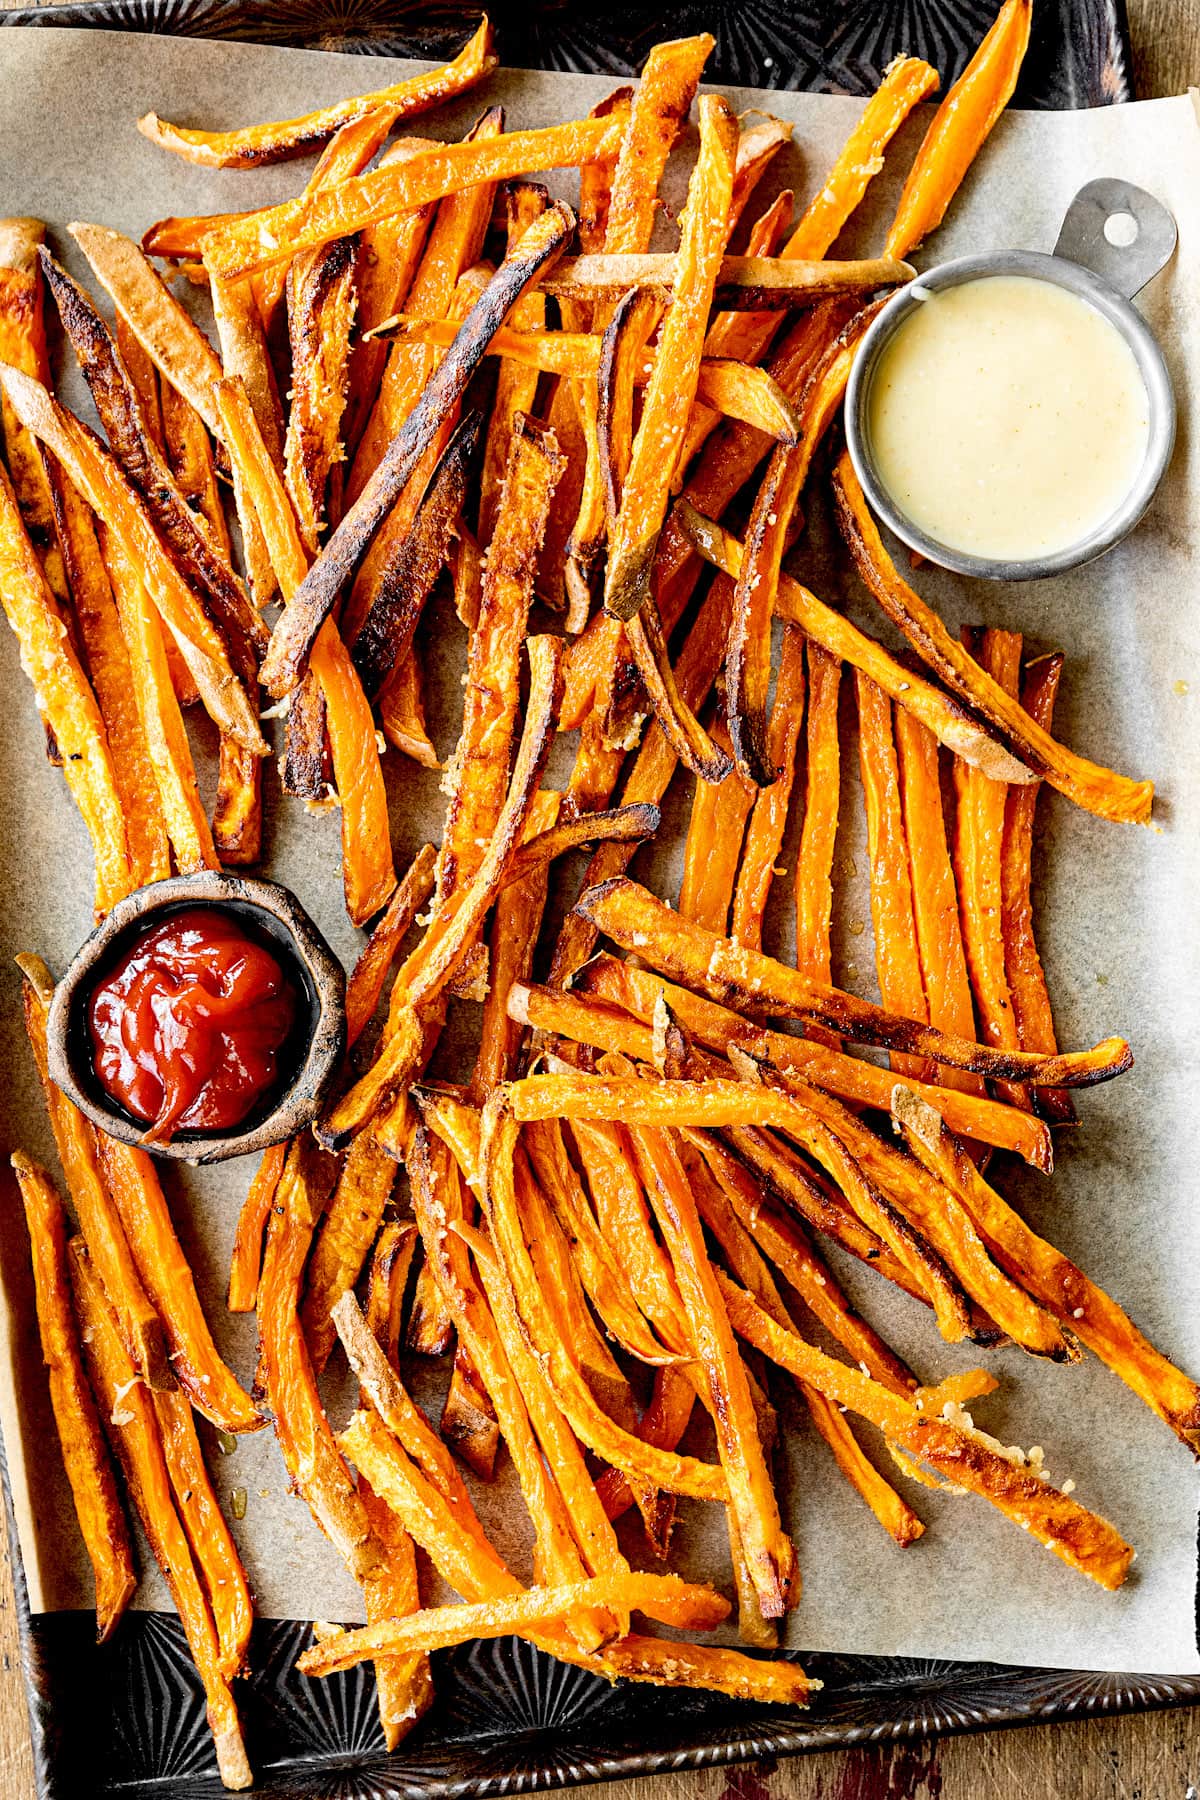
1155, 1756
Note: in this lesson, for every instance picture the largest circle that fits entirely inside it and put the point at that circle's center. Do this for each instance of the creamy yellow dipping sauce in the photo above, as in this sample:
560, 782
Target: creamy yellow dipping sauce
1007, 418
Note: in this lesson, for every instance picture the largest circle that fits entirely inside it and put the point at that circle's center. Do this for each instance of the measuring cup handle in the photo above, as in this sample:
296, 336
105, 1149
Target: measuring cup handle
1119, 232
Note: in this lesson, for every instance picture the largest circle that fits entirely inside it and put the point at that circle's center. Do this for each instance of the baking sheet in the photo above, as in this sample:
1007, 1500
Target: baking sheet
1115, 904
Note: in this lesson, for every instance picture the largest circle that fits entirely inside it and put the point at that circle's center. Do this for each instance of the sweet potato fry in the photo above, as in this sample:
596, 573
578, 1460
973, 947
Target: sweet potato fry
1080, 1538
848, 1077
387, 1278
768, 821
101, 483
516, 384
1023, 965
404, 1684
85, 1455
713, 848
368, 875
1096, 789
305, 1438
511, 945
977, 850
818, 837
747, 283
217, 1559
344, 1238
403, 581
935, 897
768, 1551
1066, 1292
634, 919
132, 1180
246, 1259
620, 825
672, 387
668, 1596
253, 145
661, 103
833, 633
294, 636
161, 720
251, 243
897, 959
959, 128
245, 357
136, 1438
365, 986
141, 1327
402, 712
23, 346
65, 700
322, 301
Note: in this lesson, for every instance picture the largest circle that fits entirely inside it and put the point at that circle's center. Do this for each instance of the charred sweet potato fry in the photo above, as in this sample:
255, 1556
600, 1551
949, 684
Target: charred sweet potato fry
848, 1077
244, 245
368, 875
85, 1455
1096, 789
934, 894
633, 918
1023, 965
132, 1180
768, 821
65, 700
959, 128
252, 145
672, 387
1082, 1308
23, 346
310, 605
344, 1238
897, 959
141, 1327
387, 1278
978, 849
138, 1442
1080, 1538
322, 301
740, 282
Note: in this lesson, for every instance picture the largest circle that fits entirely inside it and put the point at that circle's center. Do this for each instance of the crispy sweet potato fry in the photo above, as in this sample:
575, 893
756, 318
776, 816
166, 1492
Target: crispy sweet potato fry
322, 301
391, 1591
251, 243
1023, 965
977, 850
365, 986
294, 636
768, 821
23, 346
669, 1596
246, 1260
84, 1452
713, 848
1065, 1291
850, 1078
633, 918
818, 836
748, 283
897, 959
511, 945
100, 482
661, 103
132, 1180
158, 708
65, 700
672, 387
135, 1435
387, 1278
304, 1434
344, 1238
141, 1328
253, 145
516, 384
368, 875
943, 715
1096, 789
245, 356
1080, 1538
934, 895
402, 711
959, 127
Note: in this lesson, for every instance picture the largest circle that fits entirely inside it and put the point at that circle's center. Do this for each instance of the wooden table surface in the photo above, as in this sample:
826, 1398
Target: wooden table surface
1155, 1756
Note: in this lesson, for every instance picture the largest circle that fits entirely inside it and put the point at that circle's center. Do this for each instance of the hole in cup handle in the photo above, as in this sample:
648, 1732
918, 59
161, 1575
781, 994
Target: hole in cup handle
1119, 232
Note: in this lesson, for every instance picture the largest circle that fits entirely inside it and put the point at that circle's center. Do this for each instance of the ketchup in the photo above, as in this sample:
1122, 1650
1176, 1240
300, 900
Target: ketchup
187, 1027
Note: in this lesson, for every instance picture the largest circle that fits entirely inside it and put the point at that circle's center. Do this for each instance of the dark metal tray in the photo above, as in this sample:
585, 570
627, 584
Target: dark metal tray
508, 1719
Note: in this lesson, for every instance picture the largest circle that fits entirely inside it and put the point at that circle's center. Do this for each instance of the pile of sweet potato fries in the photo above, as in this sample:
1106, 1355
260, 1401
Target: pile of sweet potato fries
426, 370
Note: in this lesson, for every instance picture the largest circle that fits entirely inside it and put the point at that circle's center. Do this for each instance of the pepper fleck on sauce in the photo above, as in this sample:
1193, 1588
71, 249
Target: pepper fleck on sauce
187, 1027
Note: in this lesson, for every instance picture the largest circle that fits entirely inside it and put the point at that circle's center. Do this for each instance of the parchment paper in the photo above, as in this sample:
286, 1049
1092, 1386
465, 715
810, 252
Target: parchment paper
1116, 906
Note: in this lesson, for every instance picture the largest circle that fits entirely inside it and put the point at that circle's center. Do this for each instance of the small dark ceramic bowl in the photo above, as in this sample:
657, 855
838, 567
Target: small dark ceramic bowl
277, 916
